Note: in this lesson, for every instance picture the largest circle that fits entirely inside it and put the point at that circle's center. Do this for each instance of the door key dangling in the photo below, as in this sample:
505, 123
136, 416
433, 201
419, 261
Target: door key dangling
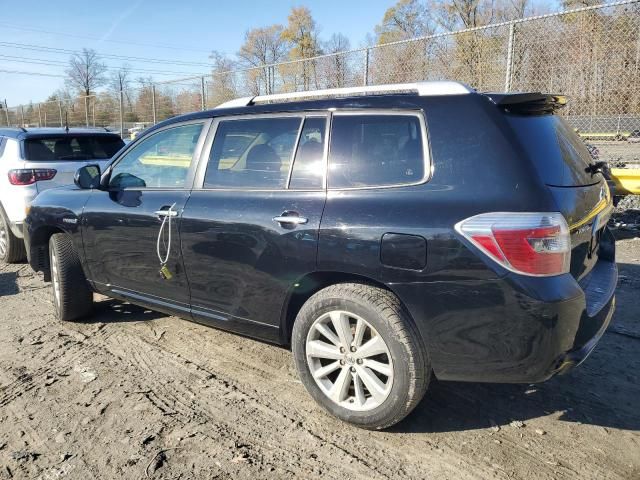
164, 272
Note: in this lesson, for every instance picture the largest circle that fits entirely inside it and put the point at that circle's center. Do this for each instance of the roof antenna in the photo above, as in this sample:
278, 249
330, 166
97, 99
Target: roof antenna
66, 122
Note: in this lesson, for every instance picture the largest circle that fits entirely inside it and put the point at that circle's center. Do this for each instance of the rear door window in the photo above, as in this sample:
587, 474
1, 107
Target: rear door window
252, 153
69, 147
375, 150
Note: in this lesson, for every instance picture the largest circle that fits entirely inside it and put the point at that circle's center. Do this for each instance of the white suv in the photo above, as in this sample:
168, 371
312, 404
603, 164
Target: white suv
35, 159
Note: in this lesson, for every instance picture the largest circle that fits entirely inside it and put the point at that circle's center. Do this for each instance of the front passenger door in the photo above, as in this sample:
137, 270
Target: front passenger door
120, 226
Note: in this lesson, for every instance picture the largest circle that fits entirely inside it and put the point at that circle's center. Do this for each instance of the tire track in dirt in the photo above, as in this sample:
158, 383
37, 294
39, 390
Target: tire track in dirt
275, 410
233, 408
244, 423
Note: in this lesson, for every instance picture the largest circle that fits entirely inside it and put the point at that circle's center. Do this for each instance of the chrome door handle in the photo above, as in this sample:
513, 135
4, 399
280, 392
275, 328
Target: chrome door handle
166, 213
293, 220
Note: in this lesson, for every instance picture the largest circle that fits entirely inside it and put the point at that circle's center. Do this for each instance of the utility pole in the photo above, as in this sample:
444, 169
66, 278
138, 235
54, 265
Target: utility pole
509, 72
365, 76
6, 112
121, 116
203, 103
153, 103
86, 112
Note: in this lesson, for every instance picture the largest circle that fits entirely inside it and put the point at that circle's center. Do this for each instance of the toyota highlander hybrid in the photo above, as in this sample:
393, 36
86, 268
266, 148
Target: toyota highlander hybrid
388, 234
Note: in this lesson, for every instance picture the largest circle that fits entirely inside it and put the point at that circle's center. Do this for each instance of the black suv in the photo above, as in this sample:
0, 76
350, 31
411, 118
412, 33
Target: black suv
387, 234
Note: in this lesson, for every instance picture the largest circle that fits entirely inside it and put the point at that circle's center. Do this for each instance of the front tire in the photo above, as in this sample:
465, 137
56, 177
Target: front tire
359, 355
11, 247
72, 296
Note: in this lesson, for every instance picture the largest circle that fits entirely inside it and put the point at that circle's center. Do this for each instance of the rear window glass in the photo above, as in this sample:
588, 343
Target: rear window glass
375, 150
558, 153
69, 147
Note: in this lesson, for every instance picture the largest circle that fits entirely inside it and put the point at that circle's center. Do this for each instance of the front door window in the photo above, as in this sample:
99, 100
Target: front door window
160, 161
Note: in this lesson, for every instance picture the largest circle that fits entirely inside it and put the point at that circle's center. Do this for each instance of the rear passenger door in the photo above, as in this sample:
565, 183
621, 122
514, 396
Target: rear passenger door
250, 227
375, 218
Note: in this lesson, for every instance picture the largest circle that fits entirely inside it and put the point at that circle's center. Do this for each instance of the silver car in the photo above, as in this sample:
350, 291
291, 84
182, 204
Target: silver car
35, 159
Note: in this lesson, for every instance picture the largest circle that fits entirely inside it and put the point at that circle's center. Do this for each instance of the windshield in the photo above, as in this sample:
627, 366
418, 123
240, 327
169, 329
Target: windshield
69, 147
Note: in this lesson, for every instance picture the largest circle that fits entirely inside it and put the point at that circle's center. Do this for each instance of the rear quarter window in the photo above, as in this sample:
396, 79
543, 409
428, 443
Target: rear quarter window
375, 150
559, 155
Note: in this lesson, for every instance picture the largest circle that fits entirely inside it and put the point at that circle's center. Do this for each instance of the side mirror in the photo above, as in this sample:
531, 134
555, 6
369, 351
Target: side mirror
87, 177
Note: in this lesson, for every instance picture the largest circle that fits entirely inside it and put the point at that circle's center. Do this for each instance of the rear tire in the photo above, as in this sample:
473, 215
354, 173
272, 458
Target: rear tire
11, 247
72, 296
359, 355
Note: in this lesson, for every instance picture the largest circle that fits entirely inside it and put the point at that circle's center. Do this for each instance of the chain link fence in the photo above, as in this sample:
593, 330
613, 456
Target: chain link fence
590, 54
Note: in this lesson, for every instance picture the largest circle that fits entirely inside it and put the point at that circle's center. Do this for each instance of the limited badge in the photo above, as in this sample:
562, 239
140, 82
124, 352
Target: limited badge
165, 273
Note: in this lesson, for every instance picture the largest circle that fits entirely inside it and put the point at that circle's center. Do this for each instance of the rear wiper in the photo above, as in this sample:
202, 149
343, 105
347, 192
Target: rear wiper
595, 167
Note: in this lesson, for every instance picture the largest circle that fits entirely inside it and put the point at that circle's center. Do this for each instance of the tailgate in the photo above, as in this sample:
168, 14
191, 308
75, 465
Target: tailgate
587, 211
564, 164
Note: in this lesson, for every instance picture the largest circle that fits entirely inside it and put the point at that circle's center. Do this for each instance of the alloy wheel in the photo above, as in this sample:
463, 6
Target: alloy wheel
349, 360
54, 276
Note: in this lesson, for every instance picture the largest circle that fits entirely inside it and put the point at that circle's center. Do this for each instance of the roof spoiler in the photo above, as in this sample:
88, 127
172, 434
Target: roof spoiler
528, 103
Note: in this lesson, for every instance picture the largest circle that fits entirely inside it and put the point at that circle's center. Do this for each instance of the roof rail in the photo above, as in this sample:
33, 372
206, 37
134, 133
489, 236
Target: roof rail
420, 88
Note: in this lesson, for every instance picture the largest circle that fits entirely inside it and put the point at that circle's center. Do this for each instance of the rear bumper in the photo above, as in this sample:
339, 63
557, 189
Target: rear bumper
575, 357
513, 329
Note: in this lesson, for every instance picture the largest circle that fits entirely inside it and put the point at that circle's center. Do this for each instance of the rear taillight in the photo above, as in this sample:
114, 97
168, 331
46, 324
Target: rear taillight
528, 243
28, 176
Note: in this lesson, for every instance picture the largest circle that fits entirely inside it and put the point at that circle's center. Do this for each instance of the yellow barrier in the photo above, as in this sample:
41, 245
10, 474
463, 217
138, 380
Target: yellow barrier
605, 135
627, 180
166, 161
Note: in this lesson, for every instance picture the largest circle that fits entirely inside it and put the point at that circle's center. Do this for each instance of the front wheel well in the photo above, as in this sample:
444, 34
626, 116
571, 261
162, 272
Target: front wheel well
39, 246
307, 286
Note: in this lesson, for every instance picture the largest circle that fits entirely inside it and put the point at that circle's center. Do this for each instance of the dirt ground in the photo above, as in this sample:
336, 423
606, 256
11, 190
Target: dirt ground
133, 394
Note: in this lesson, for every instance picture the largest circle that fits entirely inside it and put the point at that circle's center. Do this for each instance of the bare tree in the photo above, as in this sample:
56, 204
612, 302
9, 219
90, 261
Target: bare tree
86, 72
121, 79
262, 46
338, 42
518, 8
222, 86
337, 66
404, 20
302, 34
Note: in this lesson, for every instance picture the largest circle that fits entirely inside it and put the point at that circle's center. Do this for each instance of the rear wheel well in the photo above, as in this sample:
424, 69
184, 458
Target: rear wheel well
308, 285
